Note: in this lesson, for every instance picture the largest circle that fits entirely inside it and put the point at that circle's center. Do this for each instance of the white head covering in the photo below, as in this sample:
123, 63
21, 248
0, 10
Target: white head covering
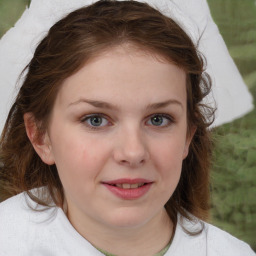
229, 91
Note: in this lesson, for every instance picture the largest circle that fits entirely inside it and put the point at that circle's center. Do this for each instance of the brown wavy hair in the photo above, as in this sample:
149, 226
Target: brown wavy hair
69, 44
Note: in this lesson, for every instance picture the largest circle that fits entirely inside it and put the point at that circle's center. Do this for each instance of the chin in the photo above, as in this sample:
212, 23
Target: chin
127, 218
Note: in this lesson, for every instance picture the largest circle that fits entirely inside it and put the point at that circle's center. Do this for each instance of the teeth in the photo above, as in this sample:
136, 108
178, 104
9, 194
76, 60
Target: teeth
134, 185
126, 186
129, 186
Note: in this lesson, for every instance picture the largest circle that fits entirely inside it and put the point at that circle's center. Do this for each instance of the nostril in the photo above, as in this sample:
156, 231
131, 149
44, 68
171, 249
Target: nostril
130, 154
133, 163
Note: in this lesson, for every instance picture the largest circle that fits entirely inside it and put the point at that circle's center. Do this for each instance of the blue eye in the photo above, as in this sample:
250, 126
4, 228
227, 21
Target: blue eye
159, 120
94, 121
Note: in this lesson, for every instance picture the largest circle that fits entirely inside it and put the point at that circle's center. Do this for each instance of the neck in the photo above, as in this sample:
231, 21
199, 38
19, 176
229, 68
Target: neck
148, 239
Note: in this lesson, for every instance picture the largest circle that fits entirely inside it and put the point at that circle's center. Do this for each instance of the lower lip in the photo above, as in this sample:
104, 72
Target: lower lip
129, 194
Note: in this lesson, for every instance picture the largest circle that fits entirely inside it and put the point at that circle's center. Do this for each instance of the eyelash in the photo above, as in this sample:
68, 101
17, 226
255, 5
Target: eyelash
88, 117
170, 120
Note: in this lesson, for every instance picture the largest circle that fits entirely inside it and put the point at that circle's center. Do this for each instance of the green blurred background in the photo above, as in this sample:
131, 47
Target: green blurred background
234, 170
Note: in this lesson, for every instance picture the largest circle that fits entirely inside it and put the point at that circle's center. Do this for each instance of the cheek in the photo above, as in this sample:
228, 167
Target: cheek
170, 152
168, 158
79, 158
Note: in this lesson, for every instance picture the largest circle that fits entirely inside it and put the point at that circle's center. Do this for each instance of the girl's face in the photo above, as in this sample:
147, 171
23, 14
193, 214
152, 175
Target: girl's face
118, 136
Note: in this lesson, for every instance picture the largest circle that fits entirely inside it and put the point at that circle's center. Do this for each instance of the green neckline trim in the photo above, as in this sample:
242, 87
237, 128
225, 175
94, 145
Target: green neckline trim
161, 253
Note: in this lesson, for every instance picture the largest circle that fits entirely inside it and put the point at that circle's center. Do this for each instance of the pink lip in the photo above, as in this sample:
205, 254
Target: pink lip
128, 194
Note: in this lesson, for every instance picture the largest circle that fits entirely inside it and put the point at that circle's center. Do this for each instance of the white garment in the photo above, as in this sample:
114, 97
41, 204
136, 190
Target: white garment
25, 232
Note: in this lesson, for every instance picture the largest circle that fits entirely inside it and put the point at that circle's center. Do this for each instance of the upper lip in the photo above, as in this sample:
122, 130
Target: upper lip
127, 181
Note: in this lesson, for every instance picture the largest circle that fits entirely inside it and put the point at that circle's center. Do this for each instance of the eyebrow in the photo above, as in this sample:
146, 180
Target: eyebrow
95, 103
106, 105
163, 104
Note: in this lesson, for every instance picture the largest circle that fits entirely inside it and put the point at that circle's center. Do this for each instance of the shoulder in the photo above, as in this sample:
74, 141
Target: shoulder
27, 229
18, 223
222, 243
13, 223
12, 210
17, 209
207, 240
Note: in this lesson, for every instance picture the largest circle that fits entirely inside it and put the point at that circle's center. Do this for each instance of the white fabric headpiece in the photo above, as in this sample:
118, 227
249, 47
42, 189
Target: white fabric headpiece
229, 91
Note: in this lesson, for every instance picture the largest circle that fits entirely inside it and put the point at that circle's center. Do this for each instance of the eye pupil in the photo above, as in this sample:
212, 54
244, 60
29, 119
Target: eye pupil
96, 121
157, 120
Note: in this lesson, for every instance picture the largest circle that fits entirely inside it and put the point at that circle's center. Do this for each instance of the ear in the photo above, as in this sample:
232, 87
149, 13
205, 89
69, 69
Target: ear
40, 142
190, 135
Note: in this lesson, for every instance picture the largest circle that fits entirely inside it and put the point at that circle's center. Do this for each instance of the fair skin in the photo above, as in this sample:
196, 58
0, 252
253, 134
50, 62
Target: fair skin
137, 134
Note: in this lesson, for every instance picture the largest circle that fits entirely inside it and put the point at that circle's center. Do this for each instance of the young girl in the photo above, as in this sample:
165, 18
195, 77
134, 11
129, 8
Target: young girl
106, 149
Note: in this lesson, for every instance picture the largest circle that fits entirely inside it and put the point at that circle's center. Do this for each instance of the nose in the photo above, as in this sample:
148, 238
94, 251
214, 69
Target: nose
131, 148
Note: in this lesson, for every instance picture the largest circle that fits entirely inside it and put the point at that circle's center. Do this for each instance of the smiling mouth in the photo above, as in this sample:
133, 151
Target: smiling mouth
127, 185
128, 189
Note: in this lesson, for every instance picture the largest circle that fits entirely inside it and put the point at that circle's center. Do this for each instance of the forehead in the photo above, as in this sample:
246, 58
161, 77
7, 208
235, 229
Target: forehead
125, 74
